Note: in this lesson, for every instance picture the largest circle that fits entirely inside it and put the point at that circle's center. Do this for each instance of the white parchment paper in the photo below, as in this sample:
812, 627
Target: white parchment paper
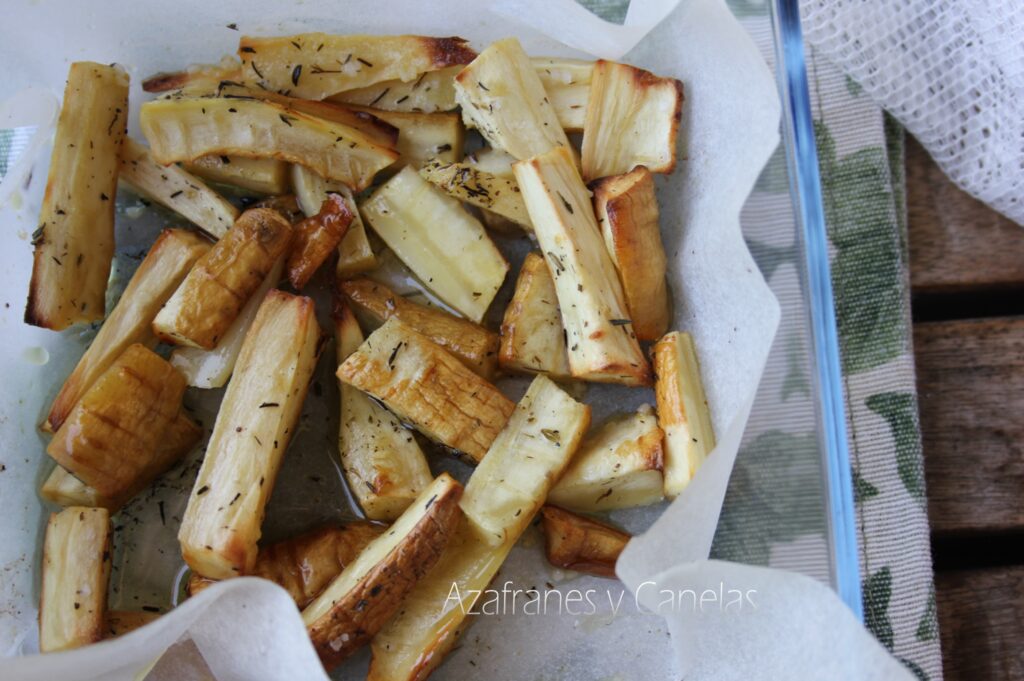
248, 629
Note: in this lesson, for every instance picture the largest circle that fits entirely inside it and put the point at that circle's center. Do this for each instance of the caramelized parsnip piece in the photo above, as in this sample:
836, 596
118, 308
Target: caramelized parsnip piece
213, 294
74, 244
371, 127
524, 461
618, 466
316, 238
424, 384
318, 65
256, 420
355, 255
602, 344
180, 438
177, 189
682, 410
632, 120
532, 336
446, 247
474, 345
581, 544
502, 97
113, 434
197, 79
383, 464
212, 368
161, 272
304, 565
371, 589
189, 128
627, 210
76, 570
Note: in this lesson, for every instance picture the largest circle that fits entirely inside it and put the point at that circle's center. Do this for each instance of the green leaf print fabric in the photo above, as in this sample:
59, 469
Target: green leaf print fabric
773, 513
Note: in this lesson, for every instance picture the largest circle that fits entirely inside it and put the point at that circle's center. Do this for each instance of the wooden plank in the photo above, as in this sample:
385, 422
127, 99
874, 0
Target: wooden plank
981, 623
970, 380
956, 242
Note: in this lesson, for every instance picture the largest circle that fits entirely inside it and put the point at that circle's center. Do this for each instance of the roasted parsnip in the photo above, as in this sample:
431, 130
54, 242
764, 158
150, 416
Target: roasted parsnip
618, 466
176, 189
432, 92
316, 238
439, 241
74, 244
424, 384
188, 128
317, 65
581, 544
256, 420
212, 368
502, 96
355, 255
305, 564
64, 489
433, 615
567, 82
532, 336
474, 345
424, 136
600, 338
682, 410
160, 273
371, 589
524, 461
632, 120
372, 128
197, 79
383, 464
495, 193
121, 622
76, 569
112, 436
213, 294
256, 175
627, 211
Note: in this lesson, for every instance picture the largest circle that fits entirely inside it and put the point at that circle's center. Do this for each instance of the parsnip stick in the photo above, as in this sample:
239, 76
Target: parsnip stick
76, 570
112, 436
74, 244
213, 294
532, 336
176, 189
256, 420
318, 65
682, 410
383, 464
602, 344
427, 386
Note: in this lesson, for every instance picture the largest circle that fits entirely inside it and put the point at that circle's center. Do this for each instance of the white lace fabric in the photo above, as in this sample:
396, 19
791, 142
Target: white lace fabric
952, 72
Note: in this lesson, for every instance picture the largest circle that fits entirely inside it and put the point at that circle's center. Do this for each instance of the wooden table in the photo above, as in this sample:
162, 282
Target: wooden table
967, 283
